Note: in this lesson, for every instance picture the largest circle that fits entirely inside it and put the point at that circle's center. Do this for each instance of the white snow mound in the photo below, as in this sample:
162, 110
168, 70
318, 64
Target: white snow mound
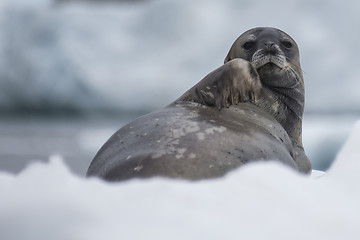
259, 201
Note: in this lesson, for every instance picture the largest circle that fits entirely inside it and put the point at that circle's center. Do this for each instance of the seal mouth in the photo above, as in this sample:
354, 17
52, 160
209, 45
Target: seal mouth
270, 65
262, 57
268, 69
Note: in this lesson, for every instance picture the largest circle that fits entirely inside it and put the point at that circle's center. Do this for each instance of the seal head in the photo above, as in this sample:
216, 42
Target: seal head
275, 56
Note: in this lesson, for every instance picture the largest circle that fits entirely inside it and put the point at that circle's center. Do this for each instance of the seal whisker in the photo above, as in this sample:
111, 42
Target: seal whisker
290, 68
294, 66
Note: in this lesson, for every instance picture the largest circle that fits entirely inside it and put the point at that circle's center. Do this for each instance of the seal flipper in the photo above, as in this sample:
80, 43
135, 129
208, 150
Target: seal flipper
235, 81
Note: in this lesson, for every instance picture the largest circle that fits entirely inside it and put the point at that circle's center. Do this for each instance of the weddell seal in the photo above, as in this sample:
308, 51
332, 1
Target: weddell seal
249, 109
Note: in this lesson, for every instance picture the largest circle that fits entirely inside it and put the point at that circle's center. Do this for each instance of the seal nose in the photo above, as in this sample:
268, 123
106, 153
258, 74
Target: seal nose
270, 47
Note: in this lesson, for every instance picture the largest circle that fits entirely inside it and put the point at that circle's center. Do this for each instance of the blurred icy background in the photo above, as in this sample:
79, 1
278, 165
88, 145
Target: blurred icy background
74, 71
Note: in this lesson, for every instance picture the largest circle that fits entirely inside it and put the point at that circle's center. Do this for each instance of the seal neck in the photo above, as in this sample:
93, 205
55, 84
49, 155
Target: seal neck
287, 106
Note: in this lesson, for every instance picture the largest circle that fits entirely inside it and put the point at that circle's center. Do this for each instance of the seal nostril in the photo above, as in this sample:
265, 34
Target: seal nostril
270, 47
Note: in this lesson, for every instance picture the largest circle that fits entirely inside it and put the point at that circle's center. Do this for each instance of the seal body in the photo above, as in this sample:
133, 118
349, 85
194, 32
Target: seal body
192, 141
248, 109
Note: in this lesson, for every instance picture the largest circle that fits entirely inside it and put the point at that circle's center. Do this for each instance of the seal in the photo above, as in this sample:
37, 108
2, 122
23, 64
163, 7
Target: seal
249, 109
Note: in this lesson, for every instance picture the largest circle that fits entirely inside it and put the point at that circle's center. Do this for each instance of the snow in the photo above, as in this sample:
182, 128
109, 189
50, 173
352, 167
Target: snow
258, 201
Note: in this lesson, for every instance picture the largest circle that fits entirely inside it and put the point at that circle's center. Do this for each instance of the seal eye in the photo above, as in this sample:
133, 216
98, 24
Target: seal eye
248, 45
287, 44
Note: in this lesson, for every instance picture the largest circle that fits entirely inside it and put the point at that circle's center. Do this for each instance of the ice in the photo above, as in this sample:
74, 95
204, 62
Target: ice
258, 201
324, 135
143, 55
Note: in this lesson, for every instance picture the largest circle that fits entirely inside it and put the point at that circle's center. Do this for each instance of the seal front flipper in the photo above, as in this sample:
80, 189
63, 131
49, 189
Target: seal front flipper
234, 82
